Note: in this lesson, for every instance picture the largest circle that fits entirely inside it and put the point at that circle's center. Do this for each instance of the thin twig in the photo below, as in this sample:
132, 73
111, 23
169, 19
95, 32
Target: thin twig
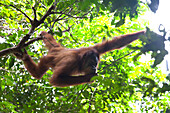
69, 32
47, 14
92, 95
118, 59
77, 96
18, 10
35, 15
50, 42
34, 24
33, 40
88, 11
68, 15
69, 5
68, 29
58, 19
2, 69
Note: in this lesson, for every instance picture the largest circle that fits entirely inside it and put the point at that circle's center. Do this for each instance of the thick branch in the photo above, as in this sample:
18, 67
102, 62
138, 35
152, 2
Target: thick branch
17, 48
24, 39
8, 51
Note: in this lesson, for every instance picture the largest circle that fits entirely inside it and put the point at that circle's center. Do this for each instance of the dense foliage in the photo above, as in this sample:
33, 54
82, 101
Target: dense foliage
124, 84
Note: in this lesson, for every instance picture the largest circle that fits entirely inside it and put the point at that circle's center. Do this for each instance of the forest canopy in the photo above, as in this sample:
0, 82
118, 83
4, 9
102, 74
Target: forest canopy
124, 84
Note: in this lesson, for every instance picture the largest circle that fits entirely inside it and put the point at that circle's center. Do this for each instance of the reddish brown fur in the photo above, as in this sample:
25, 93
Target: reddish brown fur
68, 62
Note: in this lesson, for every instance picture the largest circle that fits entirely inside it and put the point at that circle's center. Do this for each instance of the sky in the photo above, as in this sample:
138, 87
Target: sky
162, 16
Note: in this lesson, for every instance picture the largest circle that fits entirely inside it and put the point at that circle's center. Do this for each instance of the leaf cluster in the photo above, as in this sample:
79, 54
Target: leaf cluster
154, 43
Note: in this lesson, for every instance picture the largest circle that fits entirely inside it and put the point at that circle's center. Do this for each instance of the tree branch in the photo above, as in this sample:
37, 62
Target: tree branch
8, 51
68, 15
47, 14
24, 39
35, 23
35, 15
78, 94
32, 41
117, 60
17, 48
18, 10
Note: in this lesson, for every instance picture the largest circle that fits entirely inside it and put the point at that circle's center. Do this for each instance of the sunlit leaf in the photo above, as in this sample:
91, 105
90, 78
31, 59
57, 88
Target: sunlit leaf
11, 62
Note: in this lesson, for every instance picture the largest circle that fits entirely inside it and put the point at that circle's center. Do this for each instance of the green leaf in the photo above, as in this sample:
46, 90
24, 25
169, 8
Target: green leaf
11, 62
40, 14
49, 2
91, 18
4, 46
105, 26
59, 33
82, 23
121, 22
113, 22
108, 34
